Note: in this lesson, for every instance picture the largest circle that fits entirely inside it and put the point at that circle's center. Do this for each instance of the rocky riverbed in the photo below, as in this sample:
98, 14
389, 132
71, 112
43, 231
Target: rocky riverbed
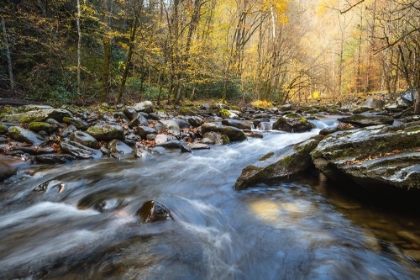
378, 150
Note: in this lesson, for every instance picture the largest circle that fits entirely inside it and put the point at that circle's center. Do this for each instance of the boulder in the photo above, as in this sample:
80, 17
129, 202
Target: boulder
4, 127
38, 126
145, 106
234, 134
37, 116
106, 131
172, 127
238, 124
373, 103
183, 123
215, 138
364, 120
285, 163
79, 151
143, 131
130, 113
67, 131
55, 159
175, 144
294, 123
77, 122
378, 158
195, 121
24, 135
6, 170
153, 211
139, 119
117, 147
84, 139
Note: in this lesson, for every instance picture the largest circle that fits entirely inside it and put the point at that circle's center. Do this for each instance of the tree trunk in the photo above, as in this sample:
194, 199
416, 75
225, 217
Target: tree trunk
79, 46
128, 58
106, 41
8, 56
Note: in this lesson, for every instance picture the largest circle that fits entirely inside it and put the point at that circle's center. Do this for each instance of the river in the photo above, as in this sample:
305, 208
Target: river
78, 221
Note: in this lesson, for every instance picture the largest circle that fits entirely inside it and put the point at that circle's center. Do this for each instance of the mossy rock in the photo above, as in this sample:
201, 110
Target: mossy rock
187, 111
285, 163
293, 122
233, 133
224, 113
38, 126
106, 132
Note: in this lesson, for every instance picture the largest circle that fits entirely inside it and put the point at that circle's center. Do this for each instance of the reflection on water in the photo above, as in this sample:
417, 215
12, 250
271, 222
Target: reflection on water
78, 221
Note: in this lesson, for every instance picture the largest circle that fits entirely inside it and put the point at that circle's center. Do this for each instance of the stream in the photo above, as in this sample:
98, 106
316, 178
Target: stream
78, 221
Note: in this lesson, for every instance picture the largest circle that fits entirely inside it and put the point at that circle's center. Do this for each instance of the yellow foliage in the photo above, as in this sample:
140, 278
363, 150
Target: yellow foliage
262, 103
316, 94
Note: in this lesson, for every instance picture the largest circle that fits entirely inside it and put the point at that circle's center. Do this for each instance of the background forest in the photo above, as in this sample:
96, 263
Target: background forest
84, 51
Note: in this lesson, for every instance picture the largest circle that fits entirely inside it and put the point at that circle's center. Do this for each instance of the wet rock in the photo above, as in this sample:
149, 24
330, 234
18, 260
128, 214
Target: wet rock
238, 124
117, 147
255, 135
143, 131
379, 158
412, 254
55, 159
138, 120
373, 103
37, 116
215, 138
106, 131
229, 114
142, 152
24, 135
3, 139
198, 146
172, 127
233, 133
265, 126
130, 113
84, 139
205, 107
132, 139
80, 151
68, 131
77, 122
183, 123
153, 211
38, 126
120, 117
294, 123
367, 120
162, 138
285, 163
409, 237
174, 144
4, 127
145, 106
195, 121
6, 170
17, 150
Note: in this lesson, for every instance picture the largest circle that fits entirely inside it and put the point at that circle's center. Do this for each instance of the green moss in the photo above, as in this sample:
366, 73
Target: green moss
236, 108
224, 113
3, 129
38, 126
187, 111
14, 130
267, 156
286, 161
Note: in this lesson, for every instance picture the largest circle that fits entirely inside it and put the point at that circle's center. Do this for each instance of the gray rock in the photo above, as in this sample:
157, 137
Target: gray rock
238, 124
153, 211
80, 151
55, 159
6, 170
24, 135
367, 120
37, 116
77, 122
145, 106
373, 103
143, 131
162, 138
183, 123
172, 127
294, 123
175, 144
106, 131
118, 147
130, 113
282, 164
84, 139
140, 119
67, 131
38, 126
378, 158
233, 133
215, 138
198, 146
195, 121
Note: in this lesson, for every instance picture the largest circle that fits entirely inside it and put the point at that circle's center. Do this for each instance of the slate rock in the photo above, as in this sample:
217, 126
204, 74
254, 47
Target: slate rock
24, 135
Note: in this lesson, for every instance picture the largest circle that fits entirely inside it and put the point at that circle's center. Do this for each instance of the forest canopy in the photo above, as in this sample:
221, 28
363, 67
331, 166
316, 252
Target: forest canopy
84, 51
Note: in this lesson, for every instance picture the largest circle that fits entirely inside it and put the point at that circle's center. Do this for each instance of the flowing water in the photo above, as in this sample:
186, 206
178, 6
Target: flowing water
78, 221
